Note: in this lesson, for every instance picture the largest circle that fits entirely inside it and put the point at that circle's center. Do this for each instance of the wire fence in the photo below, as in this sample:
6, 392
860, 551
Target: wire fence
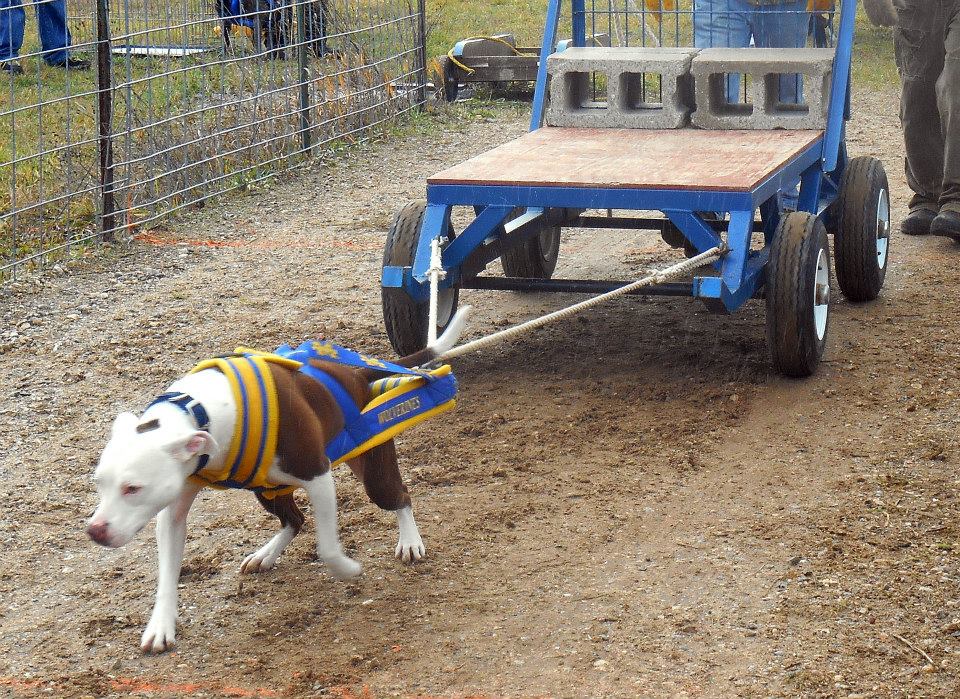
182, 100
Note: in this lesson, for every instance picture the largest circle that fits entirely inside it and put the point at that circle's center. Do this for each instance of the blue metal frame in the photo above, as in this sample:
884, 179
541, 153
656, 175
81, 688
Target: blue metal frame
818, 169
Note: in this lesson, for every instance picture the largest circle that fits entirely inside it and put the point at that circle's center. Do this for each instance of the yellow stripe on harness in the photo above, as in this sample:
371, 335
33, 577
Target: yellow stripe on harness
253, 445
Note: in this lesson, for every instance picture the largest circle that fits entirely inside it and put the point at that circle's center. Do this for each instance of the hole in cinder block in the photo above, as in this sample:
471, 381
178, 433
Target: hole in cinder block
731, 94
585, 91
784, 93
641, 91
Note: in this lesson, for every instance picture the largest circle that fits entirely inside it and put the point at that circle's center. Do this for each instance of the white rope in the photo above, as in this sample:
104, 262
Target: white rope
517, 330
435, 273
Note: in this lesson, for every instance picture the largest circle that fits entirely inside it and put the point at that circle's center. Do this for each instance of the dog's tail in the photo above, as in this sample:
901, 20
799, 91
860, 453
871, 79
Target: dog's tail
444, 343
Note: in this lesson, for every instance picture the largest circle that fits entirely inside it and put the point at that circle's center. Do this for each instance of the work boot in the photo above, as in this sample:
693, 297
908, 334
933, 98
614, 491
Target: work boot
11, 67
918, 222
947, 224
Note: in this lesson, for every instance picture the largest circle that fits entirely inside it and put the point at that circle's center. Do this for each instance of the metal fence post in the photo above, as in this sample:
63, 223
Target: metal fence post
306, 135
104, 114
421, 52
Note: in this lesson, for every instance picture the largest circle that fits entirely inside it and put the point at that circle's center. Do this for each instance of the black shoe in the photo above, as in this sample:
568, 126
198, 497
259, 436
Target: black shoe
73, 64
11, 67
918, 222
947, 224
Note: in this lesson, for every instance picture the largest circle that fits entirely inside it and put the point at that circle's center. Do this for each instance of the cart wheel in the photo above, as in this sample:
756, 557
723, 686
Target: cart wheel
405, 319
536, 258
798, 294
861, 223
451, 79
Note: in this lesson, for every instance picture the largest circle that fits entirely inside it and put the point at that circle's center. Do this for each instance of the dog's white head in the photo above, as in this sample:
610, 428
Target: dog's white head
142, 469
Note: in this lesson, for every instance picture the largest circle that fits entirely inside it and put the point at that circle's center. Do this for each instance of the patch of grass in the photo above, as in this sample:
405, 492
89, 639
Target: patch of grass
874, 66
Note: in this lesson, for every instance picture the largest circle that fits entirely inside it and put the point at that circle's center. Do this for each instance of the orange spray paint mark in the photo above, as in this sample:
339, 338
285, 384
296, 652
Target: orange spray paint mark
18, 683
134, 684
129, 684
153, 239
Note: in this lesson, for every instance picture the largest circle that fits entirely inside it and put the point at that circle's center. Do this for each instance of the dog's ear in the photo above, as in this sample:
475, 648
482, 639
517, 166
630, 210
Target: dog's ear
124, 422
187, 446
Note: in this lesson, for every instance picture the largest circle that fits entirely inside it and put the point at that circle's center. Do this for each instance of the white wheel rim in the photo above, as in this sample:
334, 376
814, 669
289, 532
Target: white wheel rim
445, 301
883, 228
821, 295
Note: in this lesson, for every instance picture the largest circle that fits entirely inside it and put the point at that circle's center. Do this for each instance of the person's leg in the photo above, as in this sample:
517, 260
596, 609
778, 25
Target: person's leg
947, 222
722, 24
12, 18
54, 35
783, 25
919, 45
948, 99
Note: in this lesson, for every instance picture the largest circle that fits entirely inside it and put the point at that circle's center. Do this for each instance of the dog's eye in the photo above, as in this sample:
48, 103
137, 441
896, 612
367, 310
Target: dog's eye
128, 489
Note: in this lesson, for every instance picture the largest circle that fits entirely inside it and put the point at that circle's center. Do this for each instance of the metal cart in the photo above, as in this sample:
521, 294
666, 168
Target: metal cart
714, 188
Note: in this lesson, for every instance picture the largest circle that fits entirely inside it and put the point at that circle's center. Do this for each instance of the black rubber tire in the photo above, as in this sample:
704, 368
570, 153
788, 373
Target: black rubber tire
856, 223
795, 348
406, 321
536, 258
450, 75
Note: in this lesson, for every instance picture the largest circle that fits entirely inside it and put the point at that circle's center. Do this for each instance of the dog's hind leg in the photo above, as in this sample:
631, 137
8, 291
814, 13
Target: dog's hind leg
381, 478
291, 520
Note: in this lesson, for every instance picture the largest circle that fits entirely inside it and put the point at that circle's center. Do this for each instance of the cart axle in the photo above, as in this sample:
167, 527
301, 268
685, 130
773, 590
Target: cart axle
574, 286
642, 223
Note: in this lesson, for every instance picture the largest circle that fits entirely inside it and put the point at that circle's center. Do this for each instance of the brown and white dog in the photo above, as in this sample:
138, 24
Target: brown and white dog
146, 466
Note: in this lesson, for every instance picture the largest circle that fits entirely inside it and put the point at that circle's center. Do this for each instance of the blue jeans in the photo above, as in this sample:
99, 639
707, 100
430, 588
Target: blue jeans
732, 23
52, 21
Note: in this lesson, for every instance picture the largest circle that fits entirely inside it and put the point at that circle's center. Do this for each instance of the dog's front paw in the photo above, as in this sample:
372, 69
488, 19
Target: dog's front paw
160, 634
410, 548
343, 567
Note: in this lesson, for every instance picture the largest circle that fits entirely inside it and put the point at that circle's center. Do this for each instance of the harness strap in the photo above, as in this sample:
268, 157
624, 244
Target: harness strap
194, 409
329, 352
348, 437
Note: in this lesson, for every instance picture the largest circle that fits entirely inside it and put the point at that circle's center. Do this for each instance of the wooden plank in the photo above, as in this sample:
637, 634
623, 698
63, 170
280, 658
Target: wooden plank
634, 159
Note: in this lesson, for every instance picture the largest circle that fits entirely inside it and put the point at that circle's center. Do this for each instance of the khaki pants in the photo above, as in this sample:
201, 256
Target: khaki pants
927, 42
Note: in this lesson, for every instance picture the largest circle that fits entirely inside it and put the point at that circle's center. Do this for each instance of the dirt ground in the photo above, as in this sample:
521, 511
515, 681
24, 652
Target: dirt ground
626, 504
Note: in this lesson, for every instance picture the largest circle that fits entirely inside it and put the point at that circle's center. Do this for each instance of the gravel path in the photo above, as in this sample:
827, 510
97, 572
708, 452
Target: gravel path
626, 504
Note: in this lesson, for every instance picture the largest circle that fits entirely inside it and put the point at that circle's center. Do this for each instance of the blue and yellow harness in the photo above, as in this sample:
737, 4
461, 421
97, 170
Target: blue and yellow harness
406, 398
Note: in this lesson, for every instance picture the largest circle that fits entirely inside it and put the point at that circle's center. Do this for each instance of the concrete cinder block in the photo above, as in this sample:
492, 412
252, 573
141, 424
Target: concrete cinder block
628, 104
764, 67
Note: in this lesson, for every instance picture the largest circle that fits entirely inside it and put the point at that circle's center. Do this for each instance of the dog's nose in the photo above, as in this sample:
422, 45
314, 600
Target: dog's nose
98, 532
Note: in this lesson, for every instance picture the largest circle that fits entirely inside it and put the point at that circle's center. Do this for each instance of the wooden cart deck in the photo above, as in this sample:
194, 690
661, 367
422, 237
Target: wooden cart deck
634, 159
